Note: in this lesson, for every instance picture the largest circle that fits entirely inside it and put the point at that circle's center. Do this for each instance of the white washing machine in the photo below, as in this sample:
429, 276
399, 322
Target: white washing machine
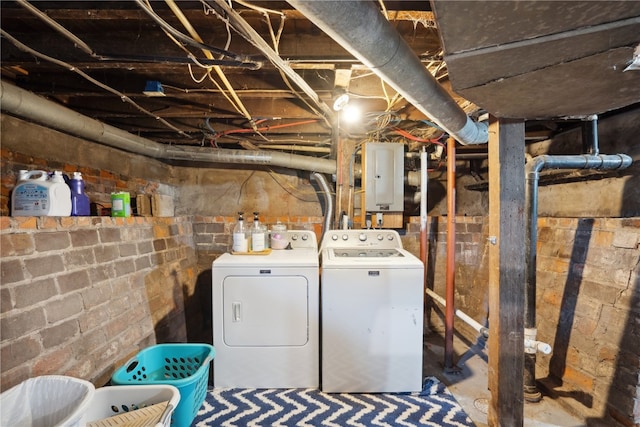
372, 313
266, 317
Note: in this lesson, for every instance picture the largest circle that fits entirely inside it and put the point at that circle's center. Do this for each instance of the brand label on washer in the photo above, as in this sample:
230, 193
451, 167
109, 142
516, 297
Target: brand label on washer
374, 273
265, 271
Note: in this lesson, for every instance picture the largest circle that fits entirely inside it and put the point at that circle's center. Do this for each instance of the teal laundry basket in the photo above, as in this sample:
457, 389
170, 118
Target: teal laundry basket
184, 366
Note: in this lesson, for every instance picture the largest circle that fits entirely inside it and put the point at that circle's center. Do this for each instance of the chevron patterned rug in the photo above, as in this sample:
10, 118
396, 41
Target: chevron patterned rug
434, 406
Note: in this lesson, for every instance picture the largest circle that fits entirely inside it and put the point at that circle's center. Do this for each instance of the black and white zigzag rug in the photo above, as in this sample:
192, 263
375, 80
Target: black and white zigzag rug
434, 406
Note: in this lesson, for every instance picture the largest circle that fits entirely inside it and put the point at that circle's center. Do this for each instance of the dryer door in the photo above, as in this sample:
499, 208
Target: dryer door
265, 311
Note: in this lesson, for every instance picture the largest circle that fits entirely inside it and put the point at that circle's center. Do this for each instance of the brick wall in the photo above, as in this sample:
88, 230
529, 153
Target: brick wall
81, 295
99, 184
471, 274
588, 305
589, 311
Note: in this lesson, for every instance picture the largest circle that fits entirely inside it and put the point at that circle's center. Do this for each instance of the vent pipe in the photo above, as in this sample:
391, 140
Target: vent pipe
360, 28
29, 106
532, 170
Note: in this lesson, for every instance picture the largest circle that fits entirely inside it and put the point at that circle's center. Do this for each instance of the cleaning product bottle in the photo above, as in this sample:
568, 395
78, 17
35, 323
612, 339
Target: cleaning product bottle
59, 196
240, 236
38, 195
258, 235
80, 205
30, 197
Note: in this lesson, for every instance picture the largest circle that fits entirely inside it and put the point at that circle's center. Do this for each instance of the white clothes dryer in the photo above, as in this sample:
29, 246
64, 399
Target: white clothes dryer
372, 313
266, 317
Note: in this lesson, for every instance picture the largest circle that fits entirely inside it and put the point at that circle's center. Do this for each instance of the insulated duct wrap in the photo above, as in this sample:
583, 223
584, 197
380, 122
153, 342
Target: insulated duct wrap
28, 106
360, 28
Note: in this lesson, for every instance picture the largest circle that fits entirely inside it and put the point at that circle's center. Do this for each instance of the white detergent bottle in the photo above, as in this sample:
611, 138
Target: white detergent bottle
59, 196
30, 197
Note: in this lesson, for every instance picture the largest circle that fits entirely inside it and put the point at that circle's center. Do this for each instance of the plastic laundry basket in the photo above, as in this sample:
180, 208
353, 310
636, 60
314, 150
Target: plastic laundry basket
45, 401
131, 402
184, 366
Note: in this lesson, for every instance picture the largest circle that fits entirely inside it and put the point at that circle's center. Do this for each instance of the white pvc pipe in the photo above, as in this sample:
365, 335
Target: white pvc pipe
468, 320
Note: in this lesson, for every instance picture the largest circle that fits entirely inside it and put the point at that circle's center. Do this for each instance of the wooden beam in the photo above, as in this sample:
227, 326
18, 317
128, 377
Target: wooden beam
506, 272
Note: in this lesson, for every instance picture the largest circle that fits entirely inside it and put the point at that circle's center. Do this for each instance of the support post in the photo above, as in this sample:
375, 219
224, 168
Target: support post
506, 271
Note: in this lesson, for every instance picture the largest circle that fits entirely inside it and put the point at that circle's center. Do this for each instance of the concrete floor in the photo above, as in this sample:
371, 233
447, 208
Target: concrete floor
469, 386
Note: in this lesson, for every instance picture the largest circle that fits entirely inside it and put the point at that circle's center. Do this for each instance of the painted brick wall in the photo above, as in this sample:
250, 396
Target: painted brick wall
79, 296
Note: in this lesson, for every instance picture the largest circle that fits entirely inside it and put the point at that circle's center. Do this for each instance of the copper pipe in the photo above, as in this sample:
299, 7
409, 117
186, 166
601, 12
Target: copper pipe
451, 254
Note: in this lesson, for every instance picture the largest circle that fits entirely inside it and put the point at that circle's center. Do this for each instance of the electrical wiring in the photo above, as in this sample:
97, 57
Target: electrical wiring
246, 31
83, 46
207, 74
262, 129
185, 22
291, 190
183, 37
417, 139
71, 68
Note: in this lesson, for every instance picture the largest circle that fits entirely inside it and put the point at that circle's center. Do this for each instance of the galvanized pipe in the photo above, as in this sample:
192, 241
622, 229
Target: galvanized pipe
360, 28
532, 169
29, 106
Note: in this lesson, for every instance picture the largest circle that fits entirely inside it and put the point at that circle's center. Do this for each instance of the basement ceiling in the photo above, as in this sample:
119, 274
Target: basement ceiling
260, 75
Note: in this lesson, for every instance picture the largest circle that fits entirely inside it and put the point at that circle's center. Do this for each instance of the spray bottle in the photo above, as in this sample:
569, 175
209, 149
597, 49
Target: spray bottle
240, 236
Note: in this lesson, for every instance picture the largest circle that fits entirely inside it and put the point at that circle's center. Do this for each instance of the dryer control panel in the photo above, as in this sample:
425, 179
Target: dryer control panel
302, 239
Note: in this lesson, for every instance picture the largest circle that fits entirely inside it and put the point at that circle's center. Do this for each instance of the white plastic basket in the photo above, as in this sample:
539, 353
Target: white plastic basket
45, 401
130, 401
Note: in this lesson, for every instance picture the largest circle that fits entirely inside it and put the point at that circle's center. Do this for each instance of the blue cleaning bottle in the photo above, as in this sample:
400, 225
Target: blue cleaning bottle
80, 205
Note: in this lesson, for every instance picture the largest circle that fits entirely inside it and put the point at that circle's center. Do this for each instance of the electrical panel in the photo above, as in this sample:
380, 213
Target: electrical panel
383, 174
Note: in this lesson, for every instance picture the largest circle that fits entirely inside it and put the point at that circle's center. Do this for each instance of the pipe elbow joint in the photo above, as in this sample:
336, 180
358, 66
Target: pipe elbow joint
473, 133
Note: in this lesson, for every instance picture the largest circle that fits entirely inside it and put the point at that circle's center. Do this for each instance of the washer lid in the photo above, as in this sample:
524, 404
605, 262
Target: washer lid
369, 258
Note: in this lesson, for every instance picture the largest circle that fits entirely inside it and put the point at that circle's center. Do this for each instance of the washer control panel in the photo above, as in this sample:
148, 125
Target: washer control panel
379, 239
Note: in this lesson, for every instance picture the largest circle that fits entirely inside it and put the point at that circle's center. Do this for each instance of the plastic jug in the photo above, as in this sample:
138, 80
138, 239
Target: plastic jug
80, 205
38, 195
59, 196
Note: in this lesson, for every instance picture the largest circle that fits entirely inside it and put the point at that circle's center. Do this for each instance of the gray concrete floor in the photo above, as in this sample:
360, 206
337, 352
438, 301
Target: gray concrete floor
469, 386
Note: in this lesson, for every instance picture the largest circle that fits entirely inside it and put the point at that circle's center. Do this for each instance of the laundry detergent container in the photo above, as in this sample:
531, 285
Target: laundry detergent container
184, 366
46, 401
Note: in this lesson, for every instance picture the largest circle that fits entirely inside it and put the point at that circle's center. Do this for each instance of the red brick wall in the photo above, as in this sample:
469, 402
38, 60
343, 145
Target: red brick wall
99, 184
